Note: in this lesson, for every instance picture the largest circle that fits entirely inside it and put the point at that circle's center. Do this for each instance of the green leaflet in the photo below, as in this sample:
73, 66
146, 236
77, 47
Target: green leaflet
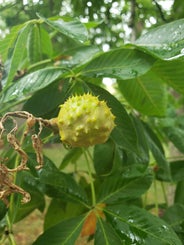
31, 83
127, 184
34, 44
65, 233
146, 94
71, 28
122, 63
17, 54
165, 41
137, 226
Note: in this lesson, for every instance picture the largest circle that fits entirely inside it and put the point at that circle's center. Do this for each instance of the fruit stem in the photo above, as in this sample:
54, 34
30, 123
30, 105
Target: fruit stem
90, 178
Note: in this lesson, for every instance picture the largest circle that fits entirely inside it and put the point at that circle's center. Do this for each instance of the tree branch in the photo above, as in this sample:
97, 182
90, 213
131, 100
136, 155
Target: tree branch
132, 21
160, 11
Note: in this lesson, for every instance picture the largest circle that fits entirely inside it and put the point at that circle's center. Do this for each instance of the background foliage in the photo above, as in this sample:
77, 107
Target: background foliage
47, 58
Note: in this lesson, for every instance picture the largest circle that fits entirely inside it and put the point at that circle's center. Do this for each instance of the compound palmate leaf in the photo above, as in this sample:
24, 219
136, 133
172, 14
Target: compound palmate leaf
137, 226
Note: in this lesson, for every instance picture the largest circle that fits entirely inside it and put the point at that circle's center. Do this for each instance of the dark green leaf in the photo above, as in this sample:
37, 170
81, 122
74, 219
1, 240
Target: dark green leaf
179, 193
174, 216
124, 133
7, 43
177, 10
106, 234
61, 185
119, 63
65, 233
173, 127
137, 226
3, 226
177, 170
59, 210
47, 99
130, 158
103, 157
175, 135
46, 44
146, 94
157, 150
31, 185
131, 183
165, 41
71, 28
118, 160
34, 44
78, 55
171, 72
31, 83
3, 210
71, 157
37, 202
17, 54
55, 213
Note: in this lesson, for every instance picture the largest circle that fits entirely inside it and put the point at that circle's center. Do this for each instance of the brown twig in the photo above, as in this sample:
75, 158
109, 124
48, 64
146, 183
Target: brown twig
6, 178
7, 186
160, 10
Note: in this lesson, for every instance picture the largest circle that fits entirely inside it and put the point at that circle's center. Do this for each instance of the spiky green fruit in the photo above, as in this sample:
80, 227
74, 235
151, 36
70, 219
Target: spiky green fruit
85, 120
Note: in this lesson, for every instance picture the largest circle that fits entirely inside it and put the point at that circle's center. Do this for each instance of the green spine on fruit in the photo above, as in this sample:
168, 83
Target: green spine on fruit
84, 120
